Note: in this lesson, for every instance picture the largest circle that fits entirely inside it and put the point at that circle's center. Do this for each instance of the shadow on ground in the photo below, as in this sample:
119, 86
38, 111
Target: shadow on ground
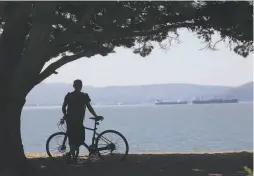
222, 164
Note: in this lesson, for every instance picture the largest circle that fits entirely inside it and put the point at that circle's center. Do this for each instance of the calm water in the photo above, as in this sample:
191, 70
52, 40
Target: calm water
181, 128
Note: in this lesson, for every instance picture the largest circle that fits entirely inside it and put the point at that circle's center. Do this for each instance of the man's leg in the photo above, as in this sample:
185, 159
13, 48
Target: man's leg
74, 146
78, 140
71, 137
72, 150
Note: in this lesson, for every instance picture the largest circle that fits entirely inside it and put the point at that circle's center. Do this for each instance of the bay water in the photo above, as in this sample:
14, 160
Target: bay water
151, 128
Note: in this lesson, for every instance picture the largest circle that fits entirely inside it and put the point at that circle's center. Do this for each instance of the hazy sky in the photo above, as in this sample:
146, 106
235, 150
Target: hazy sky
182, 63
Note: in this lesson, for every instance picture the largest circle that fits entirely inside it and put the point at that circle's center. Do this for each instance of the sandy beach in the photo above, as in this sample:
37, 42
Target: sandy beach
151, 164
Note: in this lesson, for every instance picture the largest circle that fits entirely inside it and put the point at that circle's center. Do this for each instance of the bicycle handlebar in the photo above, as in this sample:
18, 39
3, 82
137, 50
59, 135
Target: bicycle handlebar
98, 118
61, 126
62, 121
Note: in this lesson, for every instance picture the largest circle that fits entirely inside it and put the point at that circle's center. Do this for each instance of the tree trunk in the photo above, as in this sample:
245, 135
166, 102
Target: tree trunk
12, 157
19, 70
12, 154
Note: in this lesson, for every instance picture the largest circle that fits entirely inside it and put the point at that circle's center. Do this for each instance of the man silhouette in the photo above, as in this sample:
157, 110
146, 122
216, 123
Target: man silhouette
76, 103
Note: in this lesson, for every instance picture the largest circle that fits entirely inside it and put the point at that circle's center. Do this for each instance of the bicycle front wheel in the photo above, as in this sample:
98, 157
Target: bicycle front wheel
57, 145
112, 144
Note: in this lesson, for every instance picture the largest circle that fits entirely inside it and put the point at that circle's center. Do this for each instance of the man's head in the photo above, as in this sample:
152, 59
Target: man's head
77, 84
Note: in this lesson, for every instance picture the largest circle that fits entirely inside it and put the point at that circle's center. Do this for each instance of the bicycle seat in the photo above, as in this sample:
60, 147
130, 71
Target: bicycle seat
96, 118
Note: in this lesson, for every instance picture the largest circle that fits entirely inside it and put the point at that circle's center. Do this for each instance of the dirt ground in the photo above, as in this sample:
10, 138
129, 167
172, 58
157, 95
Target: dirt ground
156, 164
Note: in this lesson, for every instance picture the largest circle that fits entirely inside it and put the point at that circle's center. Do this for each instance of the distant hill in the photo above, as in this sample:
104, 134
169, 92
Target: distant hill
243, 93
53, 93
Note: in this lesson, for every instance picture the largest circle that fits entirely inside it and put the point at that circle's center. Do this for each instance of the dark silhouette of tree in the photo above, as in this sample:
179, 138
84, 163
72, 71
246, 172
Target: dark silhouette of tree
32, 33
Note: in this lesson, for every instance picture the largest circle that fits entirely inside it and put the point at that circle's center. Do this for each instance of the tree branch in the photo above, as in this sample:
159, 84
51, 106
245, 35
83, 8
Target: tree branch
162, 29
93, 35
51, 69
222, 39
88, 37
213, 47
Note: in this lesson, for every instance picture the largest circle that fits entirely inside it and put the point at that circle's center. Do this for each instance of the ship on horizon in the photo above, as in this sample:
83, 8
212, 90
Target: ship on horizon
159, 102
215, 101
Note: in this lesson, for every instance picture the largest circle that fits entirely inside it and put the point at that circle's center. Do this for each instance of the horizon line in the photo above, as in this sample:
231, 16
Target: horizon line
134, 85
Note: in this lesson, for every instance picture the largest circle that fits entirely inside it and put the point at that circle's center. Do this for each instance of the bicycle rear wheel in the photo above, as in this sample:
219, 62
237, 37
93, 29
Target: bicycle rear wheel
112, 145
57, 145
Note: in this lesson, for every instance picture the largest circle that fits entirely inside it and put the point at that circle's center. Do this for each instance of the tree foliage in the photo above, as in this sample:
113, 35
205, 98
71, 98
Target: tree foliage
85, 29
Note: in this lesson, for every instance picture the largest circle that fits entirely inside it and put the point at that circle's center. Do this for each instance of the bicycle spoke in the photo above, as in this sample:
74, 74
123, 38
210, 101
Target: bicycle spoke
112, 144
57, 146
105, 140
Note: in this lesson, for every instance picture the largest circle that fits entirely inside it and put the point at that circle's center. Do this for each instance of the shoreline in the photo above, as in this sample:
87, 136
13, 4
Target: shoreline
44, 154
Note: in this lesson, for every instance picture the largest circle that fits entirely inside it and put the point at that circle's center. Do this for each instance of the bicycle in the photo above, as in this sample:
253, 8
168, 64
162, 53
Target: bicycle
94, 147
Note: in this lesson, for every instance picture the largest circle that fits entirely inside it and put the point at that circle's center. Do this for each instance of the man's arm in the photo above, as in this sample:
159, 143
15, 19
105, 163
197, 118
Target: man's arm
90, 108
65, 103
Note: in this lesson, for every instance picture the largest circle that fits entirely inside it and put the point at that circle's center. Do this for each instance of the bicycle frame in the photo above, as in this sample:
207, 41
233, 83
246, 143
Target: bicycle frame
94, 134
92, 147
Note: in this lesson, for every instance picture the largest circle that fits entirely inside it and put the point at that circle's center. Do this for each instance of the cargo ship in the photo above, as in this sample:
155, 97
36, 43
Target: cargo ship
170, 102
214, 101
